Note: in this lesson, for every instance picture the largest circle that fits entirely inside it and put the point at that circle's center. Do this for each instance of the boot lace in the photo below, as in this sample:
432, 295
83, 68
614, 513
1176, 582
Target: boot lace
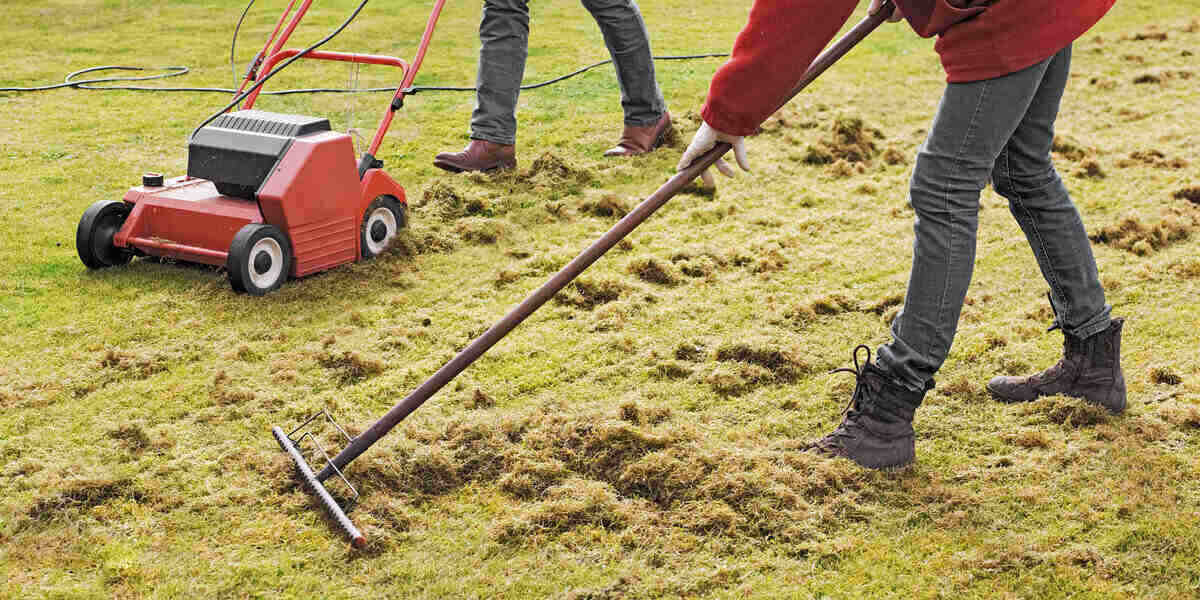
852, 410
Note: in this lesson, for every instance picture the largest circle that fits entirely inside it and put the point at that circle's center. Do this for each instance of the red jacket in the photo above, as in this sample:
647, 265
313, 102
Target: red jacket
977, 39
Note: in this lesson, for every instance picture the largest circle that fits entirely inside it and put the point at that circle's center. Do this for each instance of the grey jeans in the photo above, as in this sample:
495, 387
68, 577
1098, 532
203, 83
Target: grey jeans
504, 37
999, 130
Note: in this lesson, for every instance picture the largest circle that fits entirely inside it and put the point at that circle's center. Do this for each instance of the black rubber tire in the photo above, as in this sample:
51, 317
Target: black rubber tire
94, 236
249, 273
369, 238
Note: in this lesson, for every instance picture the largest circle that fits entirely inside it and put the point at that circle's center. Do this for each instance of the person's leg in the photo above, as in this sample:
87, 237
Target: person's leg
504, 46
973, 124
629, 45
1025, 175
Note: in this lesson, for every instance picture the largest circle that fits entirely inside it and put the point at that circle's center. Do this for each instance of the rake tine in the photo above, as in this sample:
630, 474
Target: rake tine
356, 537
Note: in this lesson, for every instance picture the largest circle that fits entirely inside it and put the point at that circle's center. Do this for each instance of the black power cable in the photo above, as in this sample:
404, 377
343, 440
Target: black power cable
175, 71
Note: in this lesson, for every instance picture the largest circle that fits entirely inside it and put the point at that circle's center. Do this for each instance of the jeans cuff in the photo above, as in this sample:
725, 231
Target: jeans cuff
495, 139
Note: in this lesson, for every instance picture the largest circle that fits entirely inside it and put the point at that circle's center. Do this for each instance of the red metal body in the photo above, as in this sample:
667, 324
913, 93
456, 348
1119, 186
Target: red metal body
315, 194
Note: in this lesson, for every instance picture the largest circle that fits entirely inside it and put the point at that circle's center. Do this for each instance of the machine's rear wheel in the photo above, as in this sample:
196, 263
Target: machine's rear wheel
381, 221
260, 259
94, 236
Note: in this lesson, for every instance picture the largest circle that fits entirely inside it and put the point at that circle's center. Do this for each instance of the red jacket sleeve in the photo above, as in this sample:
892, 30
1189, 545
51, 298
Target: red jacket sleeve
777, 45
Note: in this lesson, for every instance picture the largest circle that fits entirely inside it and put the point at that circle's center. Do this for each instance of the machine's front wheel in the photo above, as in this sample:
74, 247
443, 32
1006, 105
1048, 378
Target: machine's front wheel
94, 236
260, 259
381, 221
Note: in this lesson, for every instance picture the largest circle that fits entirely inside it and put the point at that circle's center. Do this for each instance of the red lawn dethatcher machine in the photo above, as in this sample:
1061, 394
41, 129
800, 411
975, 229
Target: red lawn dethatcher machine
357, 445
267, 195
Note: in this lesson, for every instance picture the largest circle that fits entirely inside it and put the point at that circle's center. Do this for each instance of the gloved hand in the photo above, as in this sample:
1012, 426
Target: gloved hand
877, 4
705, 139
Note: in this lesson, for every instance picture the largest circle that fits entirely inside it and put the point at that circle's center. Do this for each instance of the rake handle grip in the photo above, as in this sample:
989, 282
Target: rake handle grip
572, 270
331, 505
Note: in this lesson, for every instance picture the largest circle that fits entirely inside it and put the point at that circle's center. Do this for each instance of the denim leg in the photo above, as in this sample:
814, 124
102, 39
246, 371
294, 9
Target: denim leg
973, 124
1025, 175
629, 45
504, 39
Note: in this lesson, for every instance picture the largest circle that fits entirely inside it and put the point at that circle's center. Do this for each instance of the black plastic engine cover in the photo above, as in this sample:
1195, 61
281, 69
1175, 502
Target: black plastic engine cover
238, 150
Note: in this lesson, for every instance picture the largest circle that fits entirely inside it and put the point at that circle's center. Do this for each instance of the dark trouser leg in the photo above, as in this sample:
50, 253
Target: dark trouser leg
1025, 175
504, 38
974, 124
629, 45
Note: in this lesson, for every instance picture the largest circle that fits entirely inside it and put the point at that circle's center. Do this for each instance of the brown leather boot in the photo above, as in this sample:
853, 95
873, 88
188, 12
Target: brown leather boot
640, 140
479, 155
1090, 369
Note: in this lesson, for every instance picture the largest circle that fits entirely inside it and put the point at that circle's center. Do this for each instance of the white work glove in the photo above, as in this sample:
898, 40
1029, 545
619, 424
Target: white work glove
705, 139
877, 4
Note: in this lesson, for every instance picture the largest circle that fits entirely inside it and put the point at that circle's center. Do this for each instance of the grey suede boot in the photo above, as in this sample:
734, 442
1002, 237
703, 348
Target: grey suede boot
876, 429
1090, 369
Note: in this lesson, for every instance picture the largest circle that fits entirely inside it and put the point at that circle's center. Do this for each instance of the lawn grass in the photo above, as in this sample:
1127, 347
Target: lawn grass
638, 436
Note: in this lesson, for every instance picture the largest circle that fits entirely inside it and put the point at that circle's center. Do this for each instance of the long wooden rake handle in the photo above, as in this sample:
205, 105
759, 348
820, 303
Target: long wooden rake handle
560, 280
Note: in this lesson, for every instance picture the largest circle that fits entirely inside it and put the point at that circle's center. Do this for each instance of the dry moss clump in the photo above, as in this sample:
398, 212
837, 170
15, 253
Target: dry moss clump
131, 436
1163, 375
551, 170
84, 494
780, 365
1152, 158
573, 503
1074, 412
1162, 76
1069, 148
350, 367
1133, 235
608, 206
652, 270
1090, 168
849, 140
1181, 415
672, 370
133, 366
479, 230
1191, 194
588, 293
448, 204
226, 393
409, 243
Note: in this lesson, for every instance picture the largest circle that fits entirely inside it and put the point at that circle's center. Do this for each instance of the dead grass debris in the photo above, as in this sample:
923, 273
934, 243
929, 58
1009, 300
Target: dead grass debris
1152, 158
226, 393
1073, 412
607, 206
1181, 415
849, 139
781, 365
479, 230
1070, 148
134, 366
84, 494
1090, 168
1163, 375
1191, 194
350, 367
1162, 76
1134, 235
449, 204
586, 293
652, 270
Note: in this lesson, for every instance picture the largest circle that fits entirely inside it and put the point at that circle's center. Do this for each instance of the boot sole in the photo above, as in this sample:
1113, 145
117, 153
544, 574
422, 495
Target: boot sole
1007, 400
457, 169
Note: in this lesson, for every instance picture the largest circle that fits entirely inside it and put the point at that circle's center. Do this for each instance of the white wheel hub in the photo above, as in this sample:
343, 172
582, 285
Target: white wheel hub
385, 217
271, 257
